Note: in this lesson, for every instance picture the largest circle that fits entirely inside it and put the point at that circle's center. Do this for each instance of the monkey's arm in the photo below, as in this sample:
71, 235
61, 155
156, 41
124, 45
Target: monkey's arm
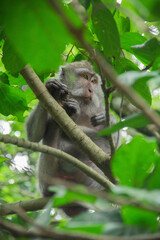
36, 124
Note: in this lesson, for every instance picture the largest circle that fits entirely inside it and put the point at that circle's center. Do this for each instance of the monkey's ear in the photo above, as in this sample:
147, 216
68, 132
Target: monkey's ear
62, 71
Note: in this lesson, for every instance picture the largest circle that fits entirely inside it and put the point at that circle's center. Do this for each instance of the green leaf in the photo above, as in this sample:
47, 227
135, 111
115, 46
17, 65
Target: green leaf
123, 65
142, 88
2, 159
106, 223
134, 121
130, 39
138, 80
134, 215
156, 64
149, 10
153, 180
4, 78
36, 32
64, 196
121, 229
18, 81
94, 222
131, 77
123, 23
141, 195
11, 59
140, 217
148, 51
133, 162
106, 29
12, 101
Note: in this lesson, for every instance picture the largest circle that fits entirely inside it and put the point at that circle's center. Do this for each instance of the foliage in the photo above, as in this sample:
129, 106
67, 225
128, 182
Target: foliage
127, 35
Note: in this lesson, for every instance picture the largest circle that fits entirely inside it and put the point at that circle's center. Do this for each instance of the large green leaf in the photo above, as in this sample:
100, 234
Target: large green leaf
153, 180
143, 89
64, 196
130, 39
123, 23
133, 162
123, 64
142, 195
106, 29
96, 222
138, 80
35, 31
148, 51
149, 10
131, 77
141, 217
134, 215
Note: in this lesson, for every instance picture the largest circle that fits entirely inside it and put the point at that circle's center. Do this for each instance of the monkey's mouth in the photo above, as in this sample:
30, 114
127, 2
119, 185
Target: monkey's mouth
87, 99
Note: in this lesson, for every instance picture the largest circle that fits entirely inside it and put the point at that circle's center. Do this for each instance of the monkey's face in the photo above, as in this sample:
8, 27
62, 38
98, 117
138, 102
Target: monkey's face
89, 82
83, 83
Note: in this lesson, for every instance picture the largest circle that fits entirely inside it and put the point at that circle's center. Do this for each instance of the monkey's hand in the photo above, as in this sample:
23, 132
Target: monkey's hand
72, 108
57, 89
98, 119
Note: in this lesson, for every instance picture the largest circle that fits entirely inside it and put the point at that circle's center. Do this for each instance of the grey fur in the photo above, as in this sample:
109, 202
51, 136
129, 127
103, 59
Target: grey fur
40, 126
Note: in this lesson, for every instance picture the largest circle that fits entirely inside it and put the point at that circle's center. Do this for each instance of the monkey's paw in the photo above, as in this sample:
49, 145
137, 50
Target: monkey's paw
57, 89
98, 119
72, 107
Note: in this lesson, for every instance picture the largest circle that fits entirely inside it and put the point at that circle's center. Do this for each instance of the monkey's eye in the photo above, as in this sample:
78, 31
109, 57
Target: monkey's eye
86, 76
94, 81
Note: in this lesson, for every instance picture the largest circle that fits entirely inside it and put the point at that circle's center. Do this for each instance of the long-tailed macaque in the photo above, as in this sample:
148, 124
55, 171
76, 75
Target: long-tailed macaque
78, 89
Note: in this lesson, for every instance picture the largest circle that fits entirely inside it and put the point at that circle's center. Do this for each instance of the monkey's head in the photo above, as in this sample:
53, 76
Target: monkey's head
83, 83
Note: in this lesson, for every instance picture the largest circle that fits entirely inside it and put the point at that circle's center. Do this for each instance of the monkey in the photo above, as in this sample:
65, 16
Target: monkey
77, 88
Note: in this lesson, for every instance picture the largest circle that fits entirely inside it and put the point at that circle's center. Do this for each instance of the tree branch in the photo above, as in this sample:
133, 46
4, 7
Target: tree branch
39, 203
40, 231
59, 154
27, 205
20, 231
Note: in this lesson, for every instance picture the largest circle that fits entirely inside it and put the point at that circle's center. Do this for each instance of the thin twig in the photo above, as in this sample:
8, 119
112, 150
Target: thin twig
107, 108
83, 53
69, 53
148, 66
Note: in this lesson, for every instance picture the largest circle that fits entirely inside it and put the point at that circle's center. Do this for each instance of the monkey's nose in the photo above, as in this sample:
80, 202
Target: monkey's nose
90, 90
